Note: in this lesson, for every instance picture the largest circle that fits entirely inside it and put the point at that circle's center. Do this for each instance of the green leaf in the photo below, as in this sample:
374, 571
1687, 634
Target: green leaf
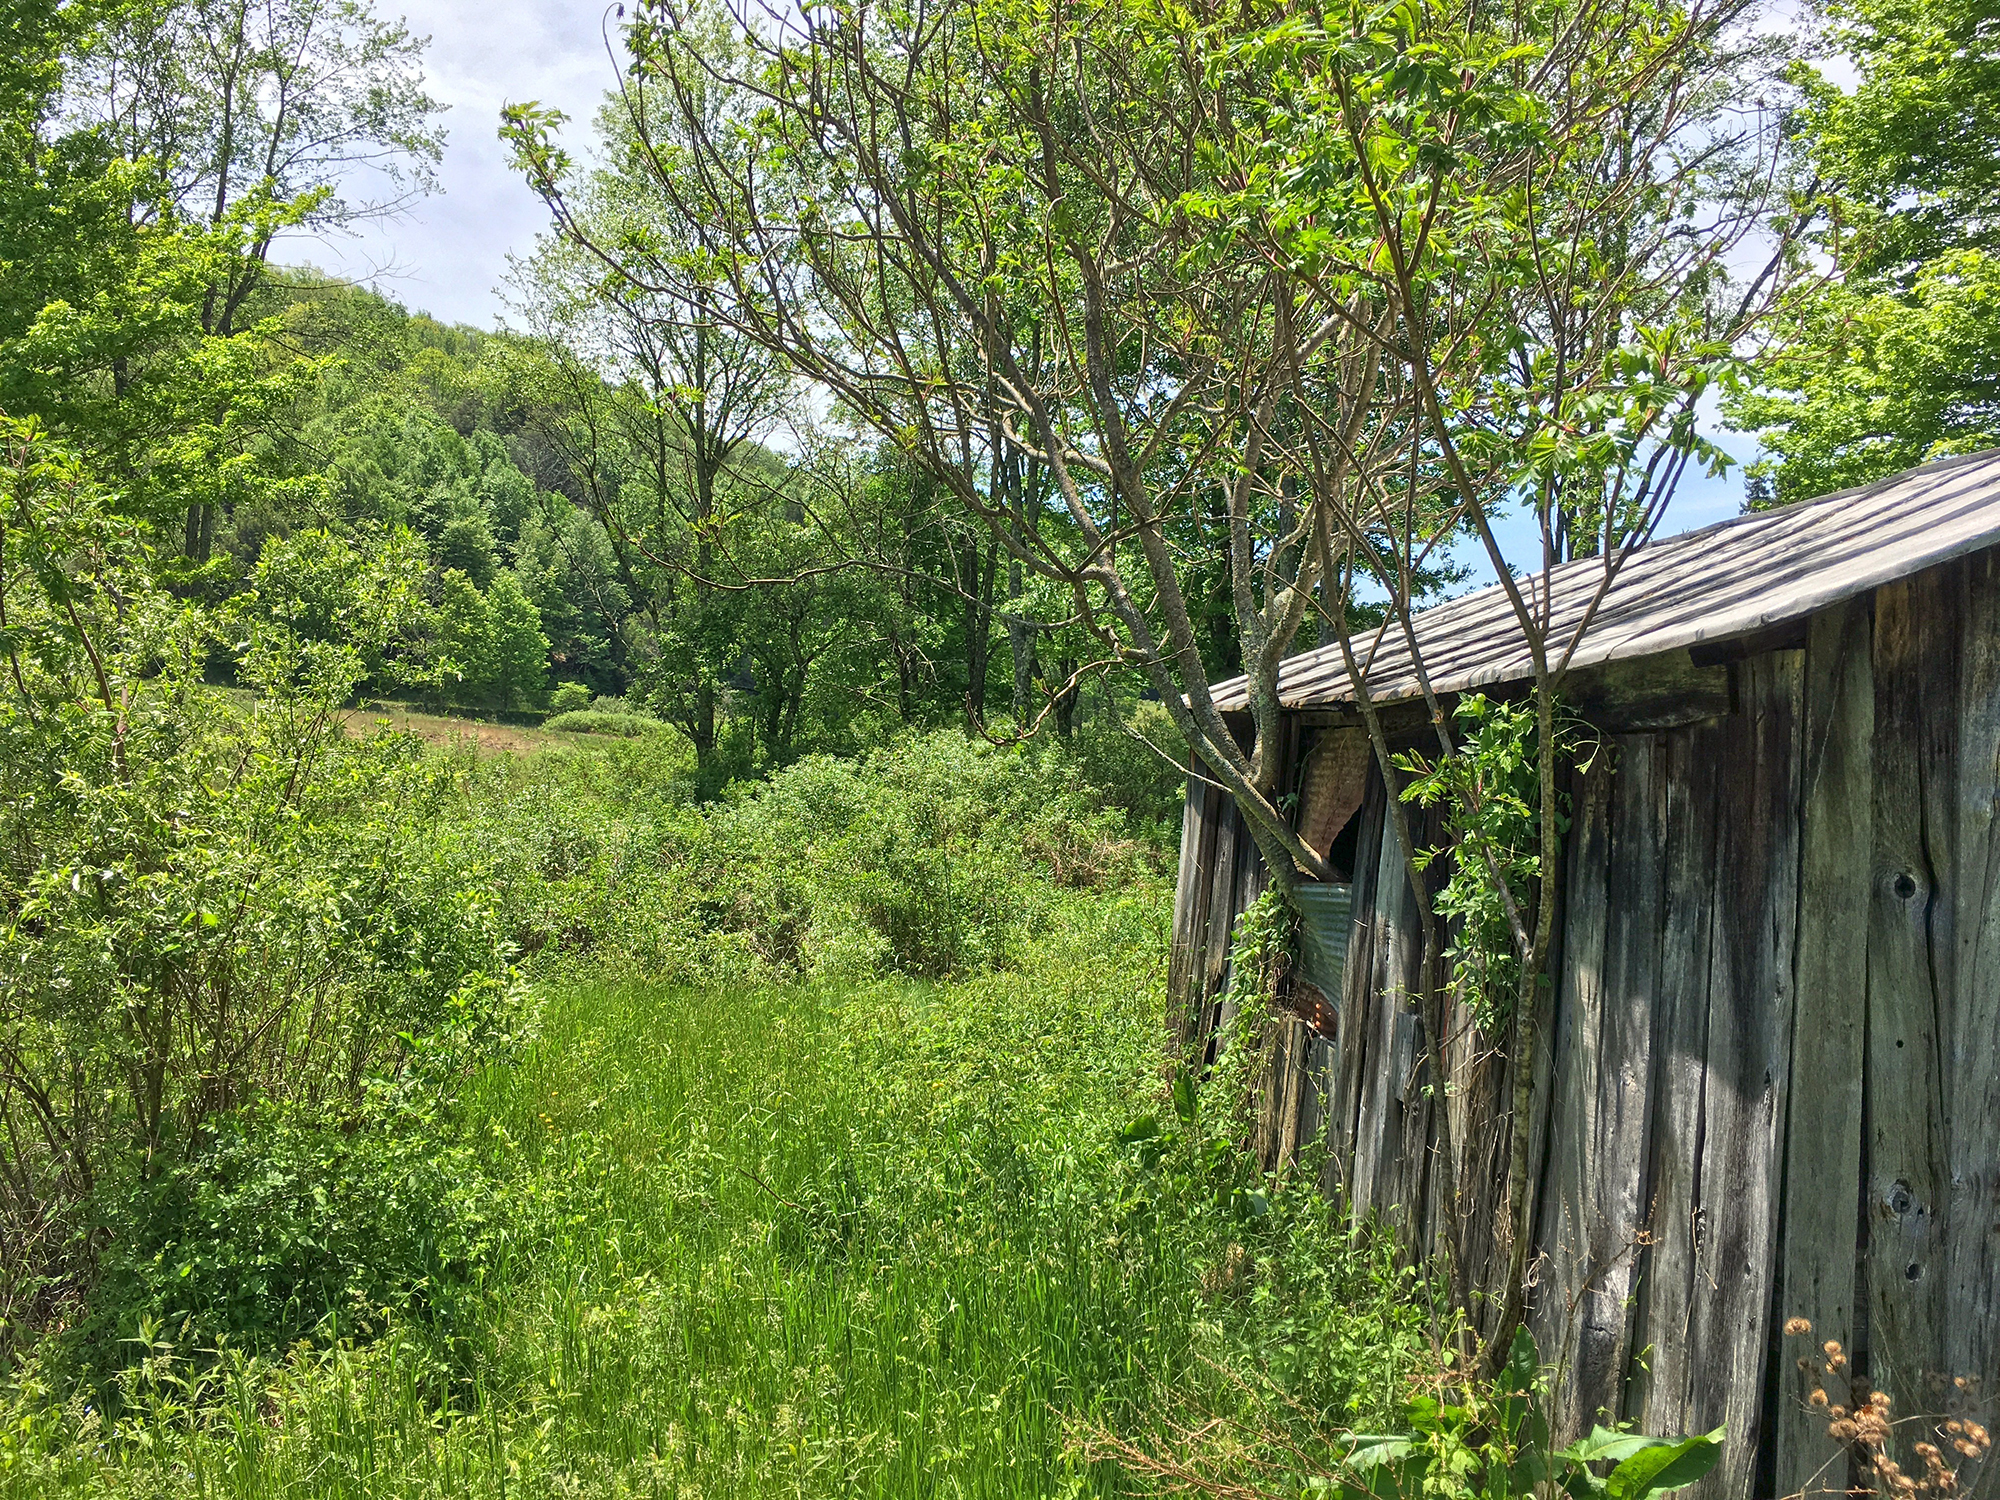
1145, 1128
1604, 1445
1654, 1471
1524, 1361
1372, 1450
1384, 1466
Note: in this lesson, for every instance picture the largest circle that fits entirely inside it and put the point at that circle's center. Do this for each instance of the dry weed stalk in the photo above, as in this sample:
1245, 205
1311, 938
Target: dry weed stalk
1213, 1455
1863, 1425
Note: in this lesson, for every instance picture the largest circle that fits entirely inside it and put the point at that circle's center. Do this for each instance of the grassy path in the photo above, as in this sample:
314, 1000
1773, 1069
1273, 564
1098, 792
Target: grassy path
832, 1243
874, 1241
818, 1242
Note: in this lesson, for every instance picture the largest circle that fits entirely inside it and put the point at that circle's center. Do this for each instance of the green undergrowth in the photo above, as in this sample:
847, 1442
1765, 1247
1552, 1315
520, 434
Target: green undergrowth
886, 1237
597, 721
933, 857
819, 1139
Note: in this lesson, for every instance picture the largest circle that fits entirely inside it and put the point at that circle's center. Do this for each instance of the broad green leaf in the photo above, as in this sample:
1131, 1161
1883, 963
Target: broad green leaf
1603, 1445
1654, 1471
1145, 1128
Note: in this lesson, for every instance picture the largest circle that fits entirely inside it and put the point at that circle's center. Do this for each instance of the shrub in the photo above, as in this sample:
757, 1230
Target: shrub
290, 1222
930, 856
211, 911
1491, 1441
599, 721
1121, 754
569, 697
924, 856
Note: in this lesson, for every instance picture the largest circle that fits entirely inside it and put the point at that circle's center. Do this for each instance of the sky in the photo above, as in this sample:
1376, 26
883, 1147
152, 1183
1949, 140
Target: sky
447, 254
1698, 501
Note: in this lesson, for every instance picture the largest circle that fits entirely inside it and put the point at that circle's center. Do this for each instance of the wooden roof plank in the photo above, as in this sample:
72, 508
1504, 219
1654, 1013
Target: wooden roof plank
1730, 579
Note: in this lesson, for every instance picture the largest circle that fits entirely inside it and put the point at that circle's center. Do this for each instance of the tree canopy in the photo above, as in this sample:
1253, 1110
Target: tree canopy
1896, 358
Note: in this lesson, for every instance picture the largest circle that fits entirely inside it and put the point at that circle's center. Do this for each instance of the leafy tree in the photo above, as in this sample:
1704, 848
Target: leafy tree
158, 151
207, 909
1352, 283
668, 408
490, 644
756, 582
1896, 358
565, 564
226, 125
341, 612
262, 115
465, 637
99, 338
520, 652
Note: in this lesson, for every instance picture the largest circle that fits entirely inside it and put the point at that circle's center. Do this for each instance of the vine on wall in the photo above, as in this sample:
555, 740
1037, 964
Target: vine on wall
1491, 792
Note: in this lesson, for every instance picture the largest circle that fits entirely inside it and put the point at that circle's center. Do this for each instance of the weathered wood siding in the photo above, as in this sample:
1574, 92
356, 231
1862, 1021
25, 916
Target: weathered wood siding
1221, 873
1771, 1083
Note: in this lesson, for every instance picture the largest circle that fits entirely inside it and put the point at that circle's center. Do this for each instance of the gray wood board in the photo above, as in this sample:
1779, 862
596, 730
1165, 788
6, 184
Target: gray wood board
1190, 892
1378, 1124
1219, 914
1909, 961
1816, 1265
1567, 1232
1660, 1399
1972, 1079
1746, 1066
1616, 1182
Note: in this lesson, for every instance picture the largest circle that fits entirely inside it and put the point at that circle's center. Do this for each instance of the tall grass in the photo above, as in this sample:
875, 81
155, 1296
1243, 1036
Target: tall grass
878, 1239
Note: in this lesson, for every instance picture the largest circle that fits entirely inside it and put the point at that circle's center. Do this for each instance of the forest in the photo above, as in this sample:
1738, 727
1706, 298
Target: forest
587, 901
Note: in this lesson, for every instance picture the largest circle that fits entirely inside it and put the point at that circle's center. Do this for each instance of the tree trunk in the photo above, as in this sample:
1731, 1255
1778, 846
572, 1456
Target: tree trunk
979, 631
1066, 699
1020, 648
200, 537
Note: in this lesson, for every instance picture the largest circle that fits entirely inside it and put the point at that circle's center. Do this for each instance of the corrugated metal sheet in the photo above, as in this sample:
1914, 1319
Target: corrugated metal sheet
1712, 585
1326, 913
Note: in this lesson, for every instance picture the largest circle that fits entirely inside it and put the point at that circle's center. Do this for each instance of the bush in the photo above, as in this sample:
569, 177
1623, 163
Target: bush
569, 697
941, 847
242, 1007
214, 914
931, 856
1120, 753
289, 1222
598, 721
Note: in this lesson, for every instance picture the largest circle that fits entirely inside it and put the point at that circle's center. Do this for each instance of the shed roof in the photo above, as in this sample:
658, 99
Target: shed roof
1728, 580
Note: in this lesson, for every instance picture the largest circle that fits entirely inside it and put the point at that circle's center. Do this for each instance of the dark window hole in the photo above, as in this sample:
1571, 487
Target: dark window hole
1905, 887
1914, 1271
1346, 844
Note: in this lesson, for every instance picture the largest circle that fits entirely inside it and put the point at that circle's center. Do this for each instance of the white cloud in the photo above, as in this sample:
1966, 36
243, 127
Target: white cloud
447, 253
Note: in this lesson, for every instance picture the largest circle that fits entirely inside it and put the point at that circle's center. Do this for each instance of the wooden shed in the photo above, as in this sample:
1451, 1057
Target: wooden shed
1770, 1076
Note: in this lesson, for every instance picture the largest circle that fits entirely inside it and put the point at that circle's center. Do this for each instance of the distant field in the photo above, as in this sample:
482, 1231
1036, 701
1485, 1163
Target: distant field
447, 729
486, 736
